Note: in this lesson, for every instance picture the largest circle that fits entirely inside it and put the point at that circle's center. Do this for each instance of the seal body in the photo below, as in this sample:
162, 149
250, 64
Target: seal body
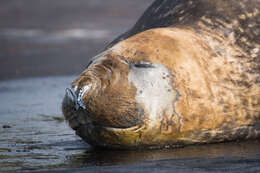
186, 73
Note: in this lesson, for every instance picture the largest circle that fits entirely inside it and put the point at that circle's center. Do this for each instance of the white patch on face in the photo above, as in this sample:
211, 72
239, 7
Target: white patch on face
154, 91
82, 91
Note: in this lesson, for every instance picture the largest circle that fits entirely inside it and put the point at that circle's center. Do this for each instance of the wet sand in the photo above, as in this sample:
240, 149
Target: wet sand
42, 38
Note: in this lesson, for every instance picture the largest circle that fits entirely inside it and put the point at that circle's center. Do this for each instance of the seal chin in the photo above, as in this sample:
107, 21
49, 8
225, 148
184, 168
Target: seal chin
109, 137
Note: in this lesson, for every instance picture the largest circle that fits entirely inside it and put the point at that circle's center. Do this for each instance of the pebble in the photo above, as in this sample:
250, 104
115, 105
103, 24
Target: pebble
6, 126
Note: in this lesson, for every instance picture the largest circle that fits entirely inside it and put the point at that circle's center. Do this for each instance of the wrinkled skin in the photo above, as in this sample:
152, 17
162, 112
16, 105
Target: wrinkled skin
195, 80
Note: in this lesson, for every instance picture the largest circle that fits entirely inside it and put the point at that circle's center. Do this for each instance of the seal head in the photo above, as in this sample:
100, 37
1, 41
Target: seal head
116, 100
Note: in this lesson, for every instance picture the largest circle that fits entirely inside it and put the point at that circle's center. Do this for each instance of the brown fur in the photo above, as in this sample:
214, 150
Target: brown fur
211, 96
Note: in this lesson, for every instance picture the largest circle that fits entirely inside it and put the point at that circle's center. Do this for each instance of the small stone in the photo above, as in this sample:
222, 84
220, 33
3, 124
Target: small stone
6, 126
242, 16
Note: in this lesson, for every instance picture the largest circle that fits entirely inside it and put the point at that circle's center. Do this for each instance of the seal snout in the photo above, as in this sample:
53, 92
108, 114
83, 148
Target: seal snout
74, 96
73, 108
70, 98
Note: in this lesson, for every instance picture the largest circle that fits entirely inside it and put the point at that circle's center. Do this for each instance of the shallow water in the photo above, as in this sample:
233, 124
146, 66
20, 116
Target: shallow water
34, 136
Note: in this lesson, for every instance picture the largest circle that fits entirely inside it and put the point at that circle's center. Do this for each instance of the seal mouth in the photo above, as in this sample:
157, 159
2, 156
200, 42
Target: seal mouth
110, 137
135, 128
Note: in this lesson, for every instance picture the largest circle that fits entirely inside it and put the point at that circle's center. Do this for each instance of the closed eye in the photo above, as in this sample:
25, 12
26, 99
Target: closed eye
143, 65
140, 64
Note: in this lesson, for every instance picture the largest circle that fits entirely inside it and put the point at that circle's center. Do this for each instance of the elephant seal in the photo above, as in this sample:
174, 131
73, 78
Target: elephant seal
186, 73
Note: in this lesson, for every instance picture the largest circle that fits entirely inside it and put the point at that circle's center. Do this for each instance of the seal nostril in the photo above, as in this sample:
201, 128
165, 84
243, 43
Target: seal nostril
71, 98
80, 96
70, 95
